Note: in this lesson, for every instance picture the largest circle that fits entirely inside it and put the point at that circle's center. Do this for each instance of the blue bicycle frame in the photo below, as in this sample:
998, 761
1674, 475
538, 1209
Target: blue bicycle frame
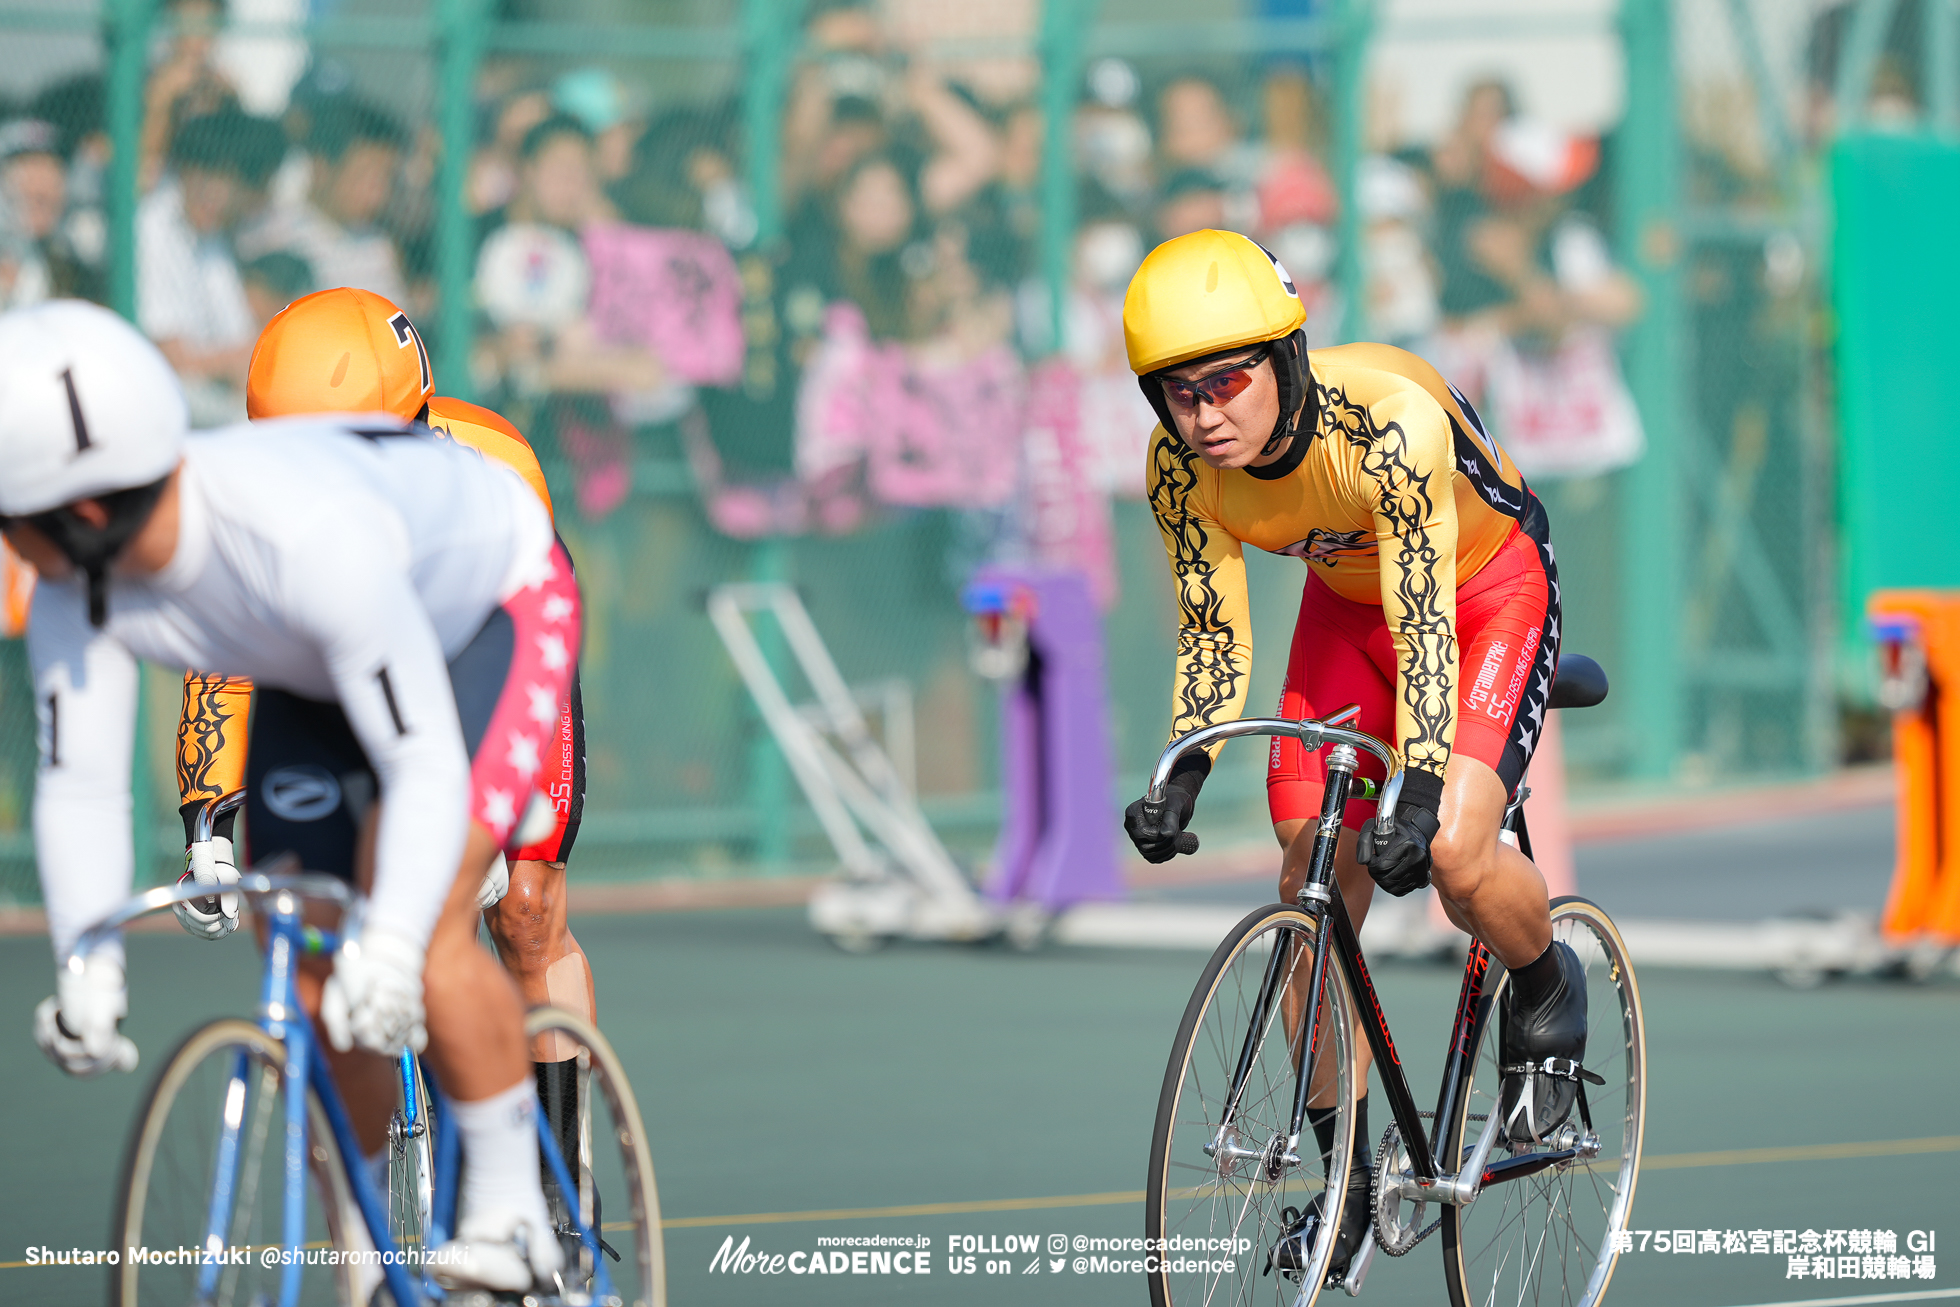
281, 1016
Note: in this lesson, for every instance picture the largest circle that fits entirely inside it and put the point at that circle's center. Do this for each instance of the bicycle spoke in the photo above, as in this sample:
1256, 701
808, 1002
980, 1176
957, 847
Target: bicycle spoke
1231, 1197
1546, 1240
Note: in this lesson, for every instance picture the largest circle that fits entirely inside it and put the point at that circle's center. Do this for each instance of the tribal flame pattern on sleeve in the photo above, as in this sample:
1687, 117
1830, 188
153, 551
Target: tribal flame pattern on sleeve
1214, 638
1415, 525
211, 736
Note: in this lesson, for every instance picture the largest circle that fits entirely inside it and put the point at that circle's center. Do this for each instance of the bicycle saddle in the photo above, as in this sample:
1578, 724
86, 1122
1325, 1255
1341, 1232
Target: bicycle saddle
1581, 682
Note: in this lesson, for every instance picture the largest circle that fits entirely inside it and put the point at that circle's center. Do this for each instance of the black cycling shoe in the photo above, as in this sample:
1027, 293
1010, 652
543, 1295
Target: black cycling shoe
1295, 1247
1539, 1053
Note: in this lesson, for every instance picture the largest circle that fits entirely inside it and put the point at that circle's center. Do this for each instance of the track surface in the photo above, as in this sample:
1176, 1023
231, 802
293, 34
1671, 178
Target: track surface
781, 1077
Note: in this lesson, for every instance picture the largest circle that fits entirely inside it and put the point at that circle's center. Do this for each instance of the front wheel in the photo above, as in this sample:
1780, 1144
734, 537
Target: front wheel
204, 1170
613, 1170
411, 1161
1549, 1237
1223, 1174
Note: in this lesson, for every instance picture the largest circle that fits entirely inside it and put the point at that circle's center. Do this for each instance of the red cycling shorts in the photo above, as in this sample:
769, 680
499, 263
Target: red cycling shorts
1507, 638
562, 780
527, 743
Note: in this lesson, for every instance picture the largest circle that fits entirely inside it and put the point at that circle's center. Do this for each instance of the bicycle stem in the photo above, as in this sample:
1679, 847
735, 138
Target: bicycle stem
1312, 734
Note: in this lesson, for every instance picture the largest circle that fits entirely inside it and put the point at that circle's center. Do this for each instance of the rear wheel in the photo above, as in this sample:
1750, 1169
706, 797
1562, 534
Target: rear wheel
1222, 1175
205, 1170
613, 1171
1548, 1237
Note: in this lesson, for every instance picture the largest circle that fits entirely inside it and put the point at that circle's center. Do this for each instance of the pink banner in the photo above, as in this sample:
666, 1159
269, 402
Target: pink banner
675, 291
933, 430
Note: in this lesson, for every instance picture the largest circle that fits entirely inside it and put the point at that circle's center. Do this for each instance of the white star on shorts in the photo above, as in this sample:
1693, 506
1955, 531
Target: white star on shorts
523, 755
544, 704
557, 608
551, 649
499, 810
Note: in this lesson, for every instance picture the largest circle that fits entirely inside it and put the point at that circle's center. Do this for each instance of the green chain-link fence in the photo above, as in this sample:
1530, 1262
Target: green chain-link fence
978, 185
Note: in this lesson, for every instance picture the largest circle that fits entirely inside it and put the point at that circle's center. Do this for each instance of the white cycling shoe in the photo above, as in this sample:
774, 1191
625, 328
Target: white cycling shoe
500, 1250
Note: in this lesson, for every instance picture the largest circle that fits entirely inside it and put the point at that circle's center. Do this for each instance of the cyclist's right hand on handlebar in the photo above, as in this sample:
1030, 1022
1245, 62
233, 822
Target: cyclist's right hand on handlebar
77, 1028
1157, 829
374, 997
209, 862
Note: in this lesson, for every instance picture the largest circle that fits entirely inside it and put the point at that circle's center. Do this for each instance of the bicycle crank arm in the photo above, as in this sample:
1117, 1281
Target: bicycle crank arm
1461, 1188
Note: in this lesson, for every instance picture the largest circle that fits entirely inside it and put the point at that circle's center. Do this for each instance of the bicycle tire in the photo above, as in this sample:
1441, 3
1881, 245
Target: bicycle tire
1618, 1112
604, 1070
1189, 1116
152, 1135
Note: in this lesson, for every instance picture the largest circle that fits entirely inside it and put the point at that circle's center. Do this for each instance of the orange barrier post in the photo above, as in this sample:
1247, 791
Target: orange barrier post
1918, 634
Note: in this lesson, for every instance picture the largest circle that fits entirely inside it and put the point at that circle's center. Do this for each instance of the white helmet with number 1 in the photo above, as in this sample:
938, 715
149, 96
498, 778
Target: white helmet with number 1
87, 407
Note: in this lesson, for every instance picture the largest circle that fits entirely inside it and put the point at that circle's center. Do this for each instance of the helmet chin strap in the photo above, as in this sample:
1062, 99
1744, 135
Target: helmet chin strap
92, 548
1295, 388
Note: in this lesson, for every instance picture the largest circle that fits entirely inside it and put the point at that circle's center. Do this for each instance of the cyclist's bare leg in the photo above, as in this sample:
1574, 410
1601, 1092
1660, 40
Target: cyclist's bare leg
1488, 888
535, 942
475, 1017
1357, 891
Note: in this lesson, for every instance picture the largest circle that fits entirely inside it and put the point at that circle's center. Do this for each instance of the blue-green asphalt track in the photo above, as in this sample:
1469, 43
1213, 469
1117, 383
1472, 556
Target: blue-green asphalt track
780, 1077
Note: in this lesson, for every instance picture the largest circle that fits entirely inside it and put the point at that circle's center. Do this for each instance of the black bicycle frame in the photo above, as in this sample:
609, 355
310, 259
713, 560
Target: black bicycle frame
1320, 899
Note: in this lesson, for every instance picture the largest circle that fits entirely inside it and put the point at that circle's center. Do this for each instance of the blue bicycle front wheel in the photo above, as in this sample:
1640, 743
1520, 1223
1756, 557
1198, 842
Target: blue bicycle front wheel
200, 1213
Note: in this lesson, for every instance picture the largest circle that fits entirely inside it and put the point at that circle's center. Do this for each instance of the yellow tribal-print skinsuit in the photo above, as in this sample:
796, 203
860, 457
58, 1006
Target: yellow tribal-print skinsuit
1393, 495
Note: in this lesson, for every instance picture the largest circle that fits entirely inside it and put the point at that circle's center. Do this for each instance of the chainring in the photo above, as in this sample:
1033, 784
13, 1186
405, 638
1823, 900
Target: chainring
1393, 1235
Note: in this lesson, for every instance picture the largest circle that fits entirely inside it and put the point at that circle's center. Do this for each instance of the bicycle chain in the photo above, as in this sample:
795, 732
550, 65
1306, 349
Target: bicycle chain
1384, 1157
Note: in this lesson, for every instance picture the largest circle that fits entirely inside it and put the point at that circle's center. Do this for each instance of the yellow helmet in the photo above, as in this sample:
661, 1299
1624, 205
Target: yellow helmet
339, 351
1203, 293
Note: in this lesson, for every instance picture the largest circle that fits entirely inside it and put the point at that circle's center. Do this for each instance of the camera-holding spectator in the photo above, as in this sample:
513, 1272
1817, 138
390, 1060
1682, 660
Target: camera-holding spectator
355, 152
596, 98
186, 82
507, 121
189, 297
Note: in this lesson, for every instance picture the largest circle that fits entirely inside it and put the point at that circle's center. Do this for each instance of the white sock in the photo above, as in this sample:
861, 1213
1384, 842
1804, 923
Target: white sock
500, 1150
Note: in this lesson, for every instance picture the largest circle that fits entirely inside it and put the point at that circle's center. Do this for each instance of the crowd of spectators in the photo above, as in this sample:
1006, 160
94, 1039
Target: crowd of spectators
895, 343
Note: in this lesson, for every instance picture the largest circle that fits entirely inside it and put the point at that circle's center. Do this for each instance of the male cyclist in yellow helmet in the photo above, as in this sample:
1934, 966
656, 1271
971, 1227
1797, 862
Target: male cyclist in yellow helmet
1431, 600
347, 350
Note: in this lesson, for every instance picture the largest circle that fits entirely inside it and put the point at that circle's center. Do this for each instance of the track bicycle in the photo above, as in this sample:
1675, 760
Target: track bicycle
1268, 1032
244, 1117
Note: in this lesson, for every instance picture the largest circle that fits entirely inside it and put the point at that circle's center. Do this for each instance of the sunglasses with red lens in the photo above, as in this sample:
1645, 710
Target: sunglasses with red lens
1218, 389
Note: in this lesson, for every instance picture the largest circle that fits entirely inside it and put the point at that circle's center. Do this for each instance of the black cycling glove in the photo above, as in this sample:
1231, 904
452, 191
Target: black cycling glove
1399, 861
1159, 836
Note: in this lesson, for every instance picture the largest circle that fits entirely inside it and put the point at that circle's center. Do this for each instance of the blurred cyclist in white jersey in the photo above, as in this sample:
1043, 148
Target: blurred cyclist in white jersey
409, 606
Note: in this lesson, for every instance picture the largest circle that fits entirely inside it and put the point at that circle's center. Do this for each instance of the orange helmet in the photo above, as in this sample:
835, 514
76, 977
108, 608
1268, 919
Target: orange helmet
339, 351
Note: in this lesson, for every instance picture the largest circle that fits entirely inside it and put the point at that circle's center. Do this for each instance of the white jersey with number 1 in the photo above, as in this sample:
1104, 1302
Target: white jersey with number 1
341, 558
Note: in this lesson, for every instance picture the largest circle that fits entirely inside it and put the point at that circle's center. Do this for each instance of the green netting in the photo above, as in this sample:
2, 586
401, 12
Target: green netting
957, 185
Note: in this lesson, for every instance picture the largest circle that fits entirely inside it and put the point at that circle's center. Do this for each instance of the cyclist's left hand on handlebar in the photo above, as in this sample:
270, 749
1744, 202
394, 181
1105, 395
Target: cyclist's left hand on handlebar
77, 1028
1399, 861
1159, 834
210, 862
374, 997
